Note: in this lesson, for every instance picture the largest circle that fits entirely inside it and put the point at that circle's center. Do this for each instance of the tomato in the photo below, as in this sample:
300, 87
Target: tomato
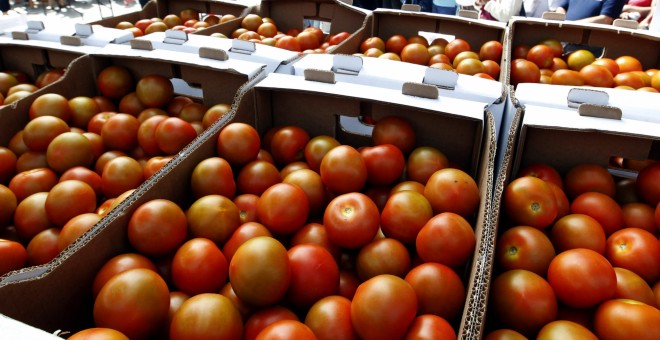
114, 81
50, 104
628, 63
470, 66
173, 134
581, 278
618, 319
68, 199
415, 53
563, 329
308, 40
131, 104
404, 215
13, 256
8, 205
408, 185
213, 176
118, 264
288, 43
288, 144
351, 220
524, 71
522, 301
42, 248
316, 148
541, 55
383, 307
157, 227
456, 46
68, 150
372, 42
76, 227
589, 177
214, 113
238, 143
286, 329
257, 176
656, 292
452, 190
430, 326
29, 182
439, 290
120, 174
504, 334
601, 207
530, 201
247, 207
30, 216
7, 164
639, 215
283, 208
423, 161
596, 75
207, 315
314, 274
394, 130
343, 170
524, 247
199, 266
492, 69
134, 302
382, 256
491, 50
98, 333
154, 90
566, 77
264, 318
609, 63
446, 238
578, 231
637, 250
86, 175
555, 45
260, 271
214, 217
632, 286
647, 186
578, 59
385, 163
40, 131
330, 318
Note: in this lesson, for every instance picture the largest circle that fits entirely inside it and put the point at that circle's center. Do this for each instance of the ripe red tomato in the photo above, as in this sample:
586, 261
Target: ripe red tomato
578, 231
581, 278
637, 250
432, 327
382, 256
491, 50
639, 215
29, 182
114, 81
207, 315
199, 266
257, 176
596, 75
522, 301
446, 238
452, 190
631, 286
385, 163
383, 307
173, 134
286, 329
338, 38
260, 271
213, 176
98, 333
238, 143
247, 207
42, 248
157, 227
524, 247
314, 274
120, 132
50, 104
330, 318
154, 90
530, 201
13, 256
343, 170
589, 177
312, 184
404, 215
288, 43
601, 207
541, 55
7, 164
566, 77
69, 199
561, 328
283, 208
618, 319
440, 291
30, 216
140, 293
120, 174
214, 217
524, 71
647, 186
264, 317
423, 161
287, 144
543, 171
316, 149
119, 264
394, 130
351, 220
76, 227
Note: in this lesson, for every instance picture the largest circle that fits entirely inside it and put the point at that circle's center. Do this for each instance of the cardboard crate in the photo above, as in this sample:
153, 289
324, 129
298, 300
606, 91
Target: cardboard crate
161, 8
616, 41
48, 296
566, 126
333, 16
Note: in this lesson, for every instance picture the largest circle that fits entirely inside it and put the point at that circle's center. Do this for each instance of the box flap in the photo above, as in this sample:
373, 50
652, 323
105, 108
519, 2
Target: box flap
50, 45
97, 35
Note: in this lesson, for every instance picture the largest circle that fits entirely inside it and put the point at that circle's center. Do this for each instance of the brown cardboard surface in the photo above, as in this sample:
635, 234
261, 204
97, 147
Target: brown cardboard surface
49, 301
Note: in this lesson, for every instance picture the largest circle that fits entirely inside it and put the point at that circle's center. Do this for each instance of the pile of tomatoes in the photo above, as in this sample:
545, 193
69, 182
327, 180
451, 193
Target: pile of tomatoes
188, 20
547, 63
578, 256
287, 235
453, 55
64, 170
15, 85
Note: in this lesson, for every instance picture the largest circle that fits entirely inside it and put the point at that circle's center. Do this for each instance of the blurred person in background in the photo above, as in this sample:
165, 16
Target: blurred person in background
4, 7
499, 10
592, 11
636, 10
536, 8
648, 23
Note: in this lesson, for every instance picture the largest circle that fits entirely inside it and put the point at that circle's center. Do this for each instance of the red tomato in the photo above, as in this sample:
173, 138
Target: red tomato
98, 333
154, 90
260, 271
286, 329
395, 43
288, 43
68, 150
524, 247
559, 329
13, 256
423, 161
338, 38
619, 319
632, 286
314, 274
330, 318
541, 55
139, 293
42, 248
214, 217
315, 233
504, 334
264, 318
29, 182
207, 315
394, 130
543, 171
582, 278
69, 199
283, 208
596, 75
199, 266
257, 176
76, 227
238, 143
385, 163
430, 326
213, 176
382, 256
637, 250
86, 175
530, 201
40, 131
343, 170
120, 132
312, 184
114, 81
589, 177
446, 238
602, 208
50, 104
439, 290
639, 215
7, 164
146, 135
383, 308
524, 71
173, 134
578, 231
120, 174
120, 264
351, 220
491, 50
647, 186
452, 190
30, 216
247, 207
456, 46
316, 149
522, 301
404, 215
157, 227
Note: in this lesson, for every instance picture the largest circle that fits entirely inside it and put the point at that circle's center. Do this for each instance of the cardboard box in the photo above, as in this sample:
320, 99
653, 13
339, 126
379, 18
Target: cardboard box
333, 16
47, 297
546, 129
161, 8
275, 59
615, 41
